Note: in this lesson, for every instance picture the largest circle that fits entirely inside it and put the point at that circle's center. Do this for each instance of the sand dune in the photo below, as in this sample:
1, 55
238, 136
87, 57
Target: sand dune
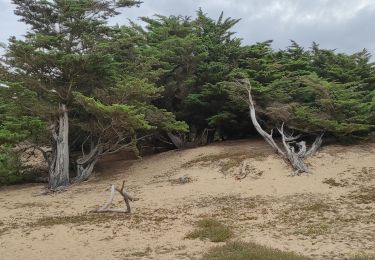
329, 214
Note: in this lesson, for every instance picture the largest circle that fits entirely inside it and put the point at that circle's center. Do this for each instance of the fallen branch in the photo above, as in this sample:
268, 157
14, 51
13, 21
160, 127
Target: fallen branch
126, 196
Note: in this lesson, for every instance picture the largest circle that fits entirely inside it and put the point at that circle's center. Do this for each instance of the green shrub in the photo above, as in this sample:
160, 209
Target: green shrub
212, 230
249, 251
10, 167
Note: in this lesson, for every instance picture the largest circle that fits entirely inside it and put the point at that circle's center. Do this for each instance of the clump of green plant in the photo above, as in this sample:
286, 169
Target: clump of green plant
249, 251
212, 230
10, 167
13, 171
362, 257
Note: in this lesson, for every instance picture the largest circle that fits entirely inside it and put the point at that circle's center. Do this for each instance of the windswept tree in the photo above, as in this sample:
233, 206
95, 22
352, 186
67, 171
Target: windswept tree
294, 152
308, 89
192, 58
62, 52
67, 56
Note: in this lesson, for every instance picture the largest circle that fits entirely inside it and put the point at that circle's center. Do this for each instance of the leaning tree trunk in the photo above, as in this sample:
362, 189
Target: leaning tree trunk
86, 163
176, 140
295, 156
59, 166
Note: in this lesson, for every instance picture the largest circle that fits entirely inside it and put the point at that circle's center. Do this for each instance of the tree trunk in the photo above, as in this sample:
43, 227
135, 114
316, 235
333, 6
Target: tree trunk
59, 167
176, 140
86, 163
84, 171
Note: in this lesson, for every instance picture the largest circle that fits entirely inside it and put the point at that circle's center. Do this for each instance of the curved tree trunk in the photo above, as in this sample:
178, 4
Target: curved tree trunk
295, 156
176, 140
86, 163
59, 166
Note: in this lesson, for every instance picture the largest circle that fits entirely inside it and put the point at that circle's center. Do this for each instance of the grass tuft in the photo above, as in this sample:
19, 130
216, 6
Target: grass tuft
212, 230
249, 251
362, 257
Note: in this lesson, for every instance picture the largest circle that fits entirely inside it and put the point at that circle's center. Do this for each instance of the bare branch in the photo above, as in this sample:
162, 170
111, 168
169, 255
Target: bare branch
127, 199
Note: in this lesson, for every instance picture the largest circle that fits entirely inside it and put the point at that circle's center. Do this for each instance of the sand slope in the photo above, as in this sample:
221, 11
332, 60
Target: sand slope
329, 214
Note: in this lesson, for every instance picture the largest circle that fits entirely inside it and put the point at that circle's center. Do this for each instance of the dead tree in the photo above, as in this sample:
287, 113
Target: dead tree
126, 196
295, 152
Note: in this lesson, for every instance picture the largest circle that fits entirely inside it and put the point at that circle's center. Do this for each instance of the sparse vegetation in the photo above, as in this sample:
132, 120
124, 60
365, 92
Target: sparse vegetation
364, 195
210, 229
313, 230
362, 257
333, 183
83, 84
76, 219
225, 161
249, 251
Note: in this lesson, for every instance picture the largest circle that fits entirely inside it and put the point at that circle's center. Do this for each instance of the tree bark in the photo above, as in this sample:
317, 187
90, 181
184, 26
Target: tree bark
176, 140
85, 164
59, 166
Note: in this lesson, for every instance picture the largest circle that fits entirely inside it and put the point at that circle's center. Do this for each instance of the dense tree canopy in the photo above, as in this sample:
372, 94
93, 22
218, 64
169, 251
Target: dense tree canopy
87, 89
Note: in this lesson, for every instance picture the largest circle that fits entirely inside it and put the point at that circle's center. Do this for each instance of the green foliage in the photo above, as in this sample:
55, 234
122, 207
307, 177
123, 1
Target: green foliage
313, 91
10, 167
173, 75
249, 251
212, 230
15, 124
191, 59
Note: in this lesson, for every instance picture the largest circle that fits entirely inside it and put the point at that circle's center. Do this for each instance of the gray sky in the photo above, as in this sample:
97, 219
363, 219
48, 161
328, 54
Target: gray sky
345, 25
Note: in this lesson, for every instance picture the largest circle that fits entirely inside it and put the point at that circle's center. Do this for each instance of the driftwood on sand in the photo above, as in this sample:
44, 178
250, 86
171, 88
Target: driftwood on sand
125, 195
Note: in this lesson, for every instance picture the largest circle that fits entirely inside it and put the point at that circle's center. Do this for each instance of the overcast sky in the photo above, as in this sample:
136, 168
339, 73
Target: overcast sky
345, 25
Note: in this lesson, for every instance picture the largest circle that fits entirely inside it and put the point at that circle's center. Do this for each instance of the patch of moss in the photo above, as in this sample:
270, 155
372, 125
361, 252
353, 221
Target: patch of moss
249, 251
362, 257
77, 219
212, 230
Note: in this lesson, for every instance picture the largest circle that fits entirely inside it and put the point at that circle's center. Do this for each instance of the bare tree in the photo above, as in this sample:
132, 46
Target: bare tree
295, 152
